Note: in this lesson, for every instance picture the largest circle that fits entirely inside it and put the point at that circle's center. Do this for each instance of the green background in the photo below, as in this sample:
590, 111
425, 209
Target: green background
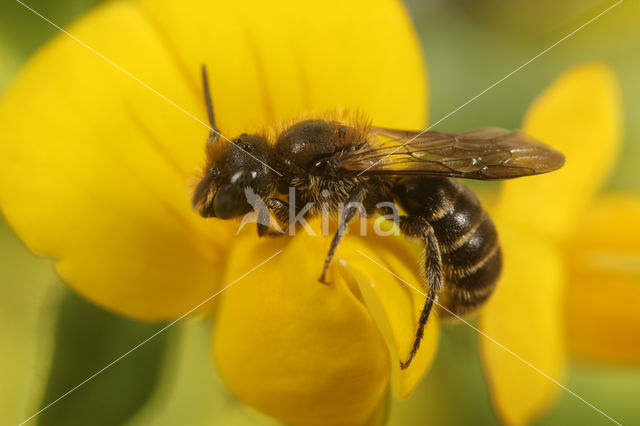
53, 340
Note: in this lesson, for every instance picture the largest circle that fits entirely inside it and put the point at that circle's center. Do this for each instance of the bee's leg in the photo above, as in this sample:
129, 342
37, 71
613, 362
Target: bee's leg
280, 211
418, 227
348, 213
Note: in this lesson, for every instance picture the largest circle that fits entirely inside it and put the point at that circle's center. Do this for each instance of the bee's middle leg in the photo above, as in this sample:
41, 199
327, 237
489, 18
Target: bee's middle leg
418, 227
348, 213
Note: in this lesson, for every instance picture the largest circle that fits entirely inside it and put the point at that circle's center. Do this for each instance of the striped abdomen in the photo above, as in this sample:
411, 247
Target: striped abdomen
468, 241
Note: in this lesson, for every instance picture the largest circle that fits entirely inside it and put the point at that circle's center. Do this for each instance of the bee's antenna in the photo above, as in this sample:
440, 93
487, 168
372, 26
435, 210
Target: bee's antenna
214, 134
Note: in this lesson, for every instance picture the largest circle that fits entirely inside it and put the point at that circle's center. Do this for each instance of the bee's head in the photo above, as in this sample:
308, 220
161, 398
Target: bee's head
231, 169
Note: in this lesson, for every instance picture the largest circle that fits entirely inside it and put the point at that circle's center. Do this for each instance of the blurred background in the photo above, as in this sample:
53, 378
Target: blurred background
53, 340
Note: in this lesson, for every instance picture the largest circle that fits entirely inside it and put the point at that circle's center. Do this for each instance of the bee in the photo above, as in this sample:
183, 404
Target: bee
416, 171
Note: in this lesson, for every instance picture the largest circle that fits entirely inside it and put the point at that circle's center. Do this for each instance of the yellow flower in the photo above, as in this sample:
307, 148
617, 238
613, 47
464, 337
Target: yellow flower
603, 268
571, 260
96, 172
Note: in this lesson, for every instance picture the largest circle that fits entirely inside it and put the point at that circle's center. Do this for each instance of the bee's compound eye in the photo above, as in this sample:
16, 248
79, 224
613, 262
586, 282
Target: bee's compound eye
231, 198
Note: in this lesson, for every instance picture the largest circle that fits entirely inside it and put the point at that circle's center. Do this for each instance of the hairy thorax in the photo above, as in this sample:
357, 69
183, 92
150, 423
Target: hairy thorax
322, 194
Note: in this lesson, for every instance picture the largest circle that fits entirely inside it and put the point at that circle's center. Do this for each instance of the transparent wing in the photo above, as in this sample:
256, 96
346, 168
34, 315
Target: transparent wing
485, 154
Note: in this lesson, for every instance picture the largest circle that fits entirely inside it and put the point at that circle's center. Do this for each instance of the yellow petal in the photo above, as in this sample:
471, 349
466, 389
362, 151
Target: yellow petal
88, 177
388, 274
525, 316
603, 321
287, 57
303, 352
95, 169
579, 115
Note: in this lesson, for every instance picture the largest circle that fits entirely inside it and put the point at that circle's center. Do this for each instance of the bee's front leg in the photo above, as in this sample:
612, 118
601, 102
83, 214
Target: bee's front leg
280, 210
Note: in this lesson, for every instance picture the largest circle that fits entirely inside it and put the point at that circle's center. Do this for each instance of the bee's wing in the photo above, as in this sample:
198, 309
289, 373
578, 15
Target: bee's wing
486, 154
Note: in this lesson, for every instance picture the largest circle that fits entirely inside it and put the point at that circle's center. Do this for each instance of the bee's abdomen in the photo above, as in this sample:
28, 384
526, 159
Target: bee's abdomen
472, 268
467, 238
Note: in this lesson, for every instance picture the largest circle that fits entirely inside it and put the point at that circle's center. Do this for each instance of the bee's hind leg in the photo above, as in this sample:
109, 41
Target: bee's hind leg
418, 227
348, 213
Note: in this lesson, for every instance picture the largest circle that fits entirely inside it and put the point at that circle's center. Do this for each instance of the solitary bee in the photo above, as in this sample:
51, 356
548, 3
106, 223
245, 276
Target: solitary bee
347, 160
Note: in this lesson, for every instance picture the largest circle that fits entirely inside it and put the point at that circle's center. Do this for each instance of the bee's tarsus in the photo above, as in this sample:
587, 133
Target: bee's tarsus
323, 280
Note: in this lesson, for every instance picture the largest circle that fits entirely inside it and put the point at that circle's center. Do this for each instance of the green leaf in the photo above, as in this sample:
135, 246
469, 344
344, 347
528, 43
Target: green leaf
191, 392
88, 339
